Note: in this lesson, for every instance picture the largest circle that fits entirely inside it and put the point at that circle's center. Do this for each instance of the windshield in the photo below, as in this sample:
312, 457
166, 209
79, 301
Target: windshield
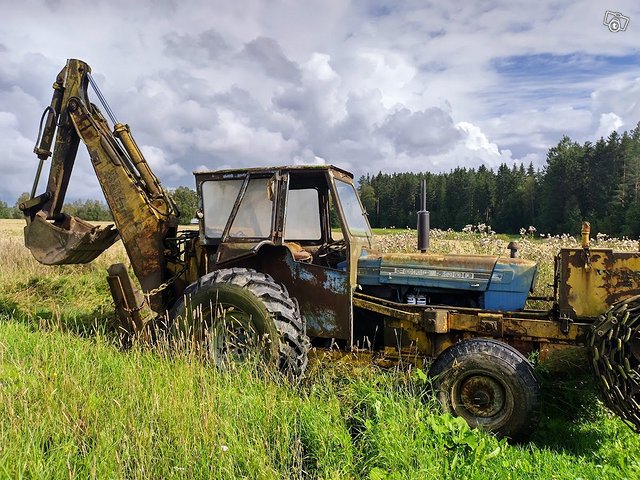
253, 219
218, 198
353, 212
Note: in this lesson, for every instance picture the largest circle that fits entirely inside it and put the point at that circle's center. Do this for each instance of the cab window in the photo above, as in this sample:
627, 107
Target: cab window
303, 215
353, 212
253, 219
218, 198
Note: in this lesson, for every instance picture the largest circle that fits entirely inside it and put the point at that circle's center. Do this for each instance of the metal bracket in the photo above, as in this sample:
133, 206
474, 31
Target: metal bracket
491, 323
435, 321
586, 252
565, 323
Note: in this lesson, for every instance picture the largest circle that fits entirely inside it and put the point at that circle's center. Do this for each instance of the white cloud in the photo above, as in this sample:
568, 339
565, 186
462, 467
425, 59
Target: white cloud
388, 86
532, 131
159, 163
616, 101
476, 140
474, 150
608, 123
306, 157
424, 132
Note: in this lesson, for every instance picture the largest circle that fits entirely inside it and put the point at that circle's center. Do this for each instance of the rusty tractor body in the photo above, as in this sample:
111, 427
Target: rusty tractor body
283, 260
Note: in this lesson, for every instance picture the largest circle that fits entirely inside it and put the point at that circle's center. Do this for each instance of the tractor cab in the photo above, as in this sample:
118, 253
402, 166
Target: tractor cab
313, 211
303, 225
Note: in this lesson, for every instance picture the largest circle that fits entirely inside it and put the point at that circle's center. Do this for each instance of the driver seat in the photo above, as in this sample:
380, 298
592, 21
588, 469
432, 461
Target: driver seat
299, 253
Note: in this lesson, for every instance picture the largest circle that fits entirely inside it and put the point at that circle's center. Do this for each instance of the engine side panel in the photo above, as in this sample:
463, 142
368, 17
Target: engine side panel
510, 284
459, 272
498, 283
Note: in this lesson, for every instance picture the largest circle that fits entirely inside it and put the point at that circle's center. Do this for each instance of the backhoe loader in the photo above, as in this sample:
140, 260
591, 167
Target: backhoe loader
283, 262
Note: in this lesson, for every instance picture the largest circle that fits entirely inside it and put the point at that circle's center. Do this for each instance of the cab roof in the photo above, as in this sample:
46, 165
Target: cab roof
274, 169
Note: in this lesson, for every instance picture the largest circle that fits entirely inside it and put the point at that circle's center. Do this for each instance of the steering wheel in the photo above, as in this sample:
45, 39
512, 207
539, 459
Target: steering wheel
332, 252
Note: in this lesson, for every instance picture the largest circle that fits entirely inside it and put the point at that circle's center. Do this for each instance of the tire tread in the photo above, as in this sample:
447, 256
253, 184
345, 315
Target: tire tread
293, 342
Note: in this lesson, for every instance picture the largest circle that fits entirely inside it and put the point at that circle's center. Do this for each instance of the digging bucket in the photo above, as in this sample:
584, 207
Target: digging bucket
71, 240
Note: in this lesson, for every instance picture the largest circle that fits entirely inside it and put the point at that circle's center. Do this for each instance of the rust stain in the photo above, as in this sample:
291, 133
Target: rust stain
591, 280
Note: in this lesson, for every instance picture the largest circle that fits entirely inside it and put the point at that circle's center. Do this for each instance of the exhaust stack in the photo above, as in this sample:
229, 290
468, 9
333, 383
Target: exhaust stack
423, 219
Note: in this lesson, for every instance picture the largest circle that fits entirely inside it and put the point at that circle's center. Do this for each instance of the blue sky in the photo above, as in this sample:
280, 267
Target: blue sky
369, 86
563, 78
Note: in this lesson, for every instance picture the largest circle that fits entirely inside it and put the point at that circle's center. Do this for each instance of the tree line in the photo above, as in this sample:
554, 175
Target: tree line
598, 182
96, 210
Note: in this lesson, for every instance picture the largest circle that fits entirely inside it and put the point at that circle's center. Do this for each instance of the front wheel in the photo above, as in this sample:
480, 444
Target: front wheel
489, 384
236, 313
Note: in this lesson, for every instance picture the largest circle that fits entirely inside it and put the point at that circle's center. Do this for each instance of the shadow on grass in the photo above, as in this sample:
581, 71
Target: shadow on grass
81, 323
570, 404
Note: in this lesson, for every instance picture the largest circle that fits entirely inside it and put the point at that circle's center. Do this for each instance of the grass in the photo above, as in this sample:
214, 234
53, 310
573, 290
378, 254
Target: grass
73, 405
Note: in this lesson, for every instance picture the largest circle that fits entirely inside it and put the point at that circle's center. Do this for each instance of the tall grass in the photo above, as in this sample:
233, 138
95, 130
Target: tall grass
74, 405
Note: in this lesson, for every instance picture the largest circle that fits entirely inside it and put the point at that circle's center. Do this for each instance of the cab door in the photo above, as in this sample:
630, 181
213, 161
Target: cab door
322, 290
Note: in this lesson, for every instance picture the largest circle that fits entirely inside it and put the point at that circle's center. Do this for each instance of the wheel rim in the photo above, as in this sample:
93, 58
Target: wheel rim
231, 337
262, 322
482, 399
482, 396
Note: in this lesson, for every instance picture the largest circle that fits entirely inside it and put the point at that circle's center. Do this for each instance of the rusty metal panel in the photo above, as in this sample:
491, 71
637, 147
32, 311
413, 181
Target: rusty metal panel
435, 321
591, 280
427, 319
235, 251
259, 170
369, 303
131, 310
324, 294
407, 328
71, 241
407, 340
491, 323
519, 328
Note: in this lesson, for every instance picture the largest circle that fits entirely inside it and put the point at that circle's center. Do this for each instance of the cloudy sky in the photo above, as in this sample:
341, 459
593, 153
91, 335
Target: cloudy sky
367, 85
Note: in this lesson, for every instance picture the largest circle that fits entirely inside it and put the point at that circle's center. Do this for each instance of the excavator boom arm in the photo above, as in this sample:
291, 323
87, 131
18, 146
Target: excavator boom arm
143, 212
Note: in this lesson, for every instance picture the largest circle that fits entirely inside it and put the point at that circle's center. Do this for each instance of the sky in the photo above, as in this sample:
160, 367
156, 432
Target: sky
368, 86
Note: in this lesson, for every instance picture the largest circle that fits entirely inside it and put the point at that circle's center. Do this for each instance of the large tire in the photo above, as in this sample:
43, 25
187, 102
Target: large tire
489, 384
235, 313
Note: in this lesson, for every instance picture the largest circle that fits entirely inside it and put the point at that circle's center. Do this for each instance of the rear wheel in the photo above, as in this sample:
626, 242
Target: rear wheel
234, 314
489, 384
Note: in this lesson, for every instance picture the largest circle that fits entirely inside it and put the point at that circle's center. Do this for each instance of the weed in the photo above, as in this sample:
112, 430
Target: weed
74, 405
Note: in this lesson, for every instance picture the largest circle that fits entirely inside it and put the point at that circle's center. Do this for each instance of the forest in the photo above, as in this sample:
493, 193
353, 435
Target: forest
598, 182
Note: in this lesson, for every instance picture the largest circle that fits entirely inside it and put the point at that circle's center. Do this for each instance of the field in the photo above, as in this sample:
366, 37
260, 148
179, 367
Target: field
74, 405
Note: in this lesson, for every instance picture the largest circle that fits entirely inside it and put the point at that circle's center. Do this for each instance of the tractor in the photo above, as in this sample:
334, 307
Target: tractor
283, 263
